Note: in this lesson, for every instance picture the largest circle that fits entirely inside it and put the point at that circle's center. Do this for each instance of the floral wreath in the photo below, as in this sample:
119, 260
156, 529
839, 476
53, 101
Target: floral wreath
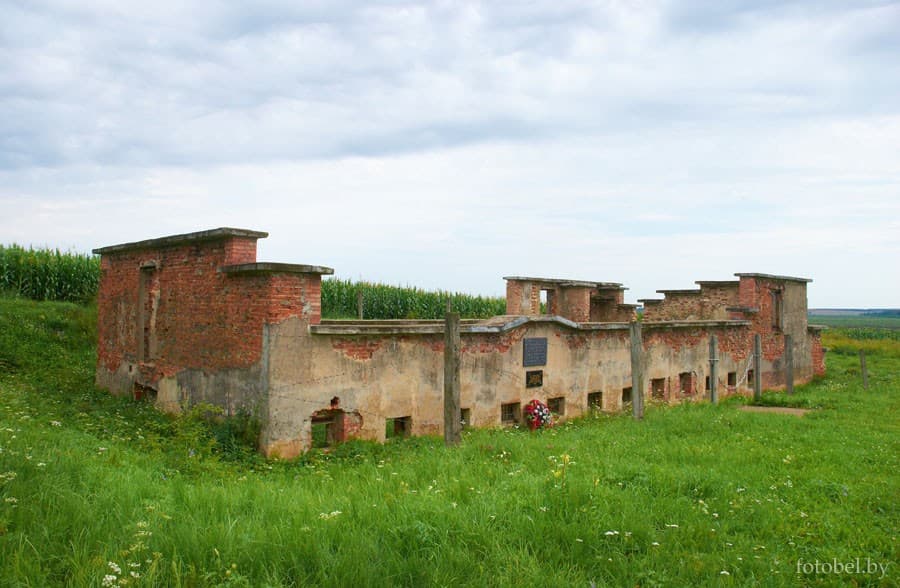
538, 415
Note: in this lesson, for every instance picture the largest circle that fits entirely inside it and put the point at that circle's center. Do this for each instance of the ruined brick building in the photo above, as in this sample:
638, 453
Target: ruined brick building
195, 318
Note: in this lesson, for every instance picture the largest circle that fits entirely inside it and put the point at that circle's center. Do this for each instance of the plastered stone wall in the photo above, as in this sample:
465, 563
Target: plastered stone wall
390, 376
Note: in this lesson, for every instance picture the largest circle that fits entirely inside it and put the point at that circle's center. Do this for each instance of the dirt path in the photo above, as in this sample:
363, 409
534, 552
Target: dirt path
777, 409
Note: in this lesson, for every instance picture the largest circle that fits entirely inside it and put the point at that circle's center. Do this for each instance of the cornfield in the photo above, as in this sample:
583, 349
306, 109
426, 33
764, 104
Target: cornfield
48, 274
339, 299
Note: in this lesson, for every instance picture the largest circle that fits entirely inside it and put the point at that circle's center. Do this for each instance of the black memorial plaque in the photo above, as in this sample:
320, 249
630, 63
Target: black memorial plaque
534, 352
534, 379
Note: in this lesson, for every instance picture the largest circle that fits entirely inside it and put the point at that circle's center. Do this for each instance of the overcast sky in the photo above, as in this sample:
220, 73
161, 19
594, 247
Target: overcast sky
447, 144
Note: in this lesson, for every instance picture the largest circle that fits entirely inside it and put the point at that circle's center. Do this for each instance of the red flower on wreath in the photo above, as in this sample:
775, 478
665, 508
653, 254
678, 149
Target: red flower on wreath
538, 415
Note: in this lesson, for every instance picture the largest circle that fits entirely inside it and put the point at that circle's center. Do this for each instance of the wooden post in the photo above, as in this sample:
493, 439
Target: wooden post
862, 367
713, 368
789, 364
359, 304
637, 371
757, 368
452, 413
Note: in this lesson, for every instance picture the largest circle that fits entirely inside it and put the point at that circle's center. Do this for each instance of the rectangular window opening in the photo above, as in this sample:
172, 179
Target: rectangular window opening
465, 417
557, 405
511, 414
320, 434
686, 383
398, 427
148, 300
707, 383
749, 378
626, 394
658, 388
777, 309
732, 379
595, 401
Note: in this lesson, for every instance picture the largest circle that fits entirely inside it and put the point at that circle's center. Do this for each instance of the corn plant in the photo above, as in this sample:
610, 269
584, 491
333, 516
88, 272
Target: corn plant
48, 274
380, 301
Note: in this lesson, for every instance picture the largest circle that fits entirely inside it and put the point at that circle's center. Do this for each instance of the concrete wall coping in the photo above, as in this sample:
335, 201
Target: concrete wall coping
403, 327
690, 291
774, 277
750, 309
693, 324
565, 283
391, 322
173, 240
718, 283
274, 268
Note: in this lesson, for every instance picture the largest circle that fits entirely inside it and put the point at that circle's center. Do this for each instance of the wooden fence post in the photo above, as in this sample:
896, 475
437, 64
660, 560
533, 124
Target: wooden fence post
452, 413
862, 367
757, 368
789, 363
637, 370
713, 368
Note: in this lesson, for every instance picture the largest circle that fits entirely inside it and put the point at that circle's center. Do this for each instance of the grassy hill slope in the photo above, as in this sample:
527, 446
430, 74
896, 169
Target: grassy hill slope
98, 490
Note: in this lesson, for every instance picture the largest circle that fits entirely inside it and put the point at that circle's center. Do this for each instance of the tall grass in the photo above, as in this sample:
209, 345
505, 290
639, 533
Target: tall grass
48, 274
883, 341
380, 301
93, 486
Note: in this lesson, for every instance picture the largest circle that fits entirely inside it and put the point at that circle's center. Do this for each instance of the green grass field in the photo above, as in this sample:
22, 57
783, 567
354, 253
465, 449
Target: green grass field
856, 322
96, 490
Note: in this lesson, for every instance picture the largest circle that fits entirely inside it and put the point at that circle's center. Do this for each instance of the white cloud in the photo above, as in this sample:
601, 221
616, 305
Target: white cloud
448, 144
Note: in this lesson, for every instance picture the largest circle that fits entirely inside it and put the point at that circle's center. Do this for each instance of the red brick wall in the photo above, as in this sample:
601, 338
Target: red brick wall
205, 319
240, 250
714, 300
736, 342
818, 353
675, 307
747, 292
575, 304
520, 302
513, 297
652, 311
608, 310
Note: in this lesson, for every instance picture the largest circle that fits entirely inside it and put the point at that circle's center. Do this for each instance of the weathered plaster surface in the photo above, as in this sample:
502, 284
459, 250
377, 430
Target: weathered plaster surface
195, 318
